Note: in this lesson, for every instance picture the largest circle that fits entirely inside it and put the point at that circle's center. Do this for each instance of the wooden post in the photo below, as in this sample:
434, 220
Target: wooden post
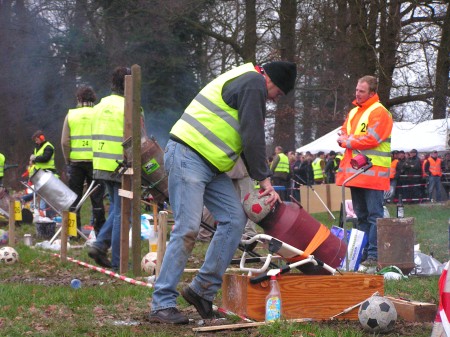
64, 229
126, 181
136, 178
162, 237
12, 224
131, 180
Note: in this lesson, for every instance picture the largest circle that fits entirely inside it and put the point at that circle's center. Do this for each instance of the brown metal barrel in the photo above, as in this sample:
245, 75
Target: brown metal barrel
152, 165
291, 224
395, 241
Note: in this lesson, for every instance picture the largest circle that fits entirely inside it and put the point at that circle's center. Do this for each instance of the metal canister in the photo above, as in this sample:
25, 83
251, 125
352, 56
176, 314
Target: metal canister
27, 240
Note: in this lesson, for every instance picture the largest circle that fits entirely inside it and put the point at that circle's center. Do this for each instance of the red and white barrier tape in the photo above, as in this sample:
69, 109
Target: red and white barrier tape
108, 272
413, 185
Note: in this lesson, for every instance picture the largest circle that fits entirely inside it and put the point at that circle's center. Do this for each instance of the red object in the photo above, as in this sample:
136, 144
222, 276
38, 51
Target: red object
291, 224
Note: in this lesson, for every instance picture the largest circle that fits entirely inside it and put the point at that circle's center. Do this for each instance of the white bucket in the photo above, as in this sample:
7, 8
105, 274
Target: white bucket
53, 190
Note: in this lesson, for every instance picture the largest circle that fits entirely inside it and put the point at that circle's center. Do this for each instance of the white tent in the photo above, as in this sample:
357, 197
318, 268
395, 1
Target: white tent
424, 137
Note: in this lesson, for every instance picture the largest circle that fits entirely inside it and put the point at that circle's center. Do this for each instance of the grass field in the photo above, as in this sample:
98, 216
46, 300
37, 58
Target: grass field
36, 298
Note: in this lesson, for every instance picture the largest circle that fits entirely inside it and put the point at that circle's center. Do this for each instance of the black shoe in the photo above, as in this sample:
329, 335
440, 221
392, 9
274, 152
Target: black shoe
204, 307
170, 315
99, 257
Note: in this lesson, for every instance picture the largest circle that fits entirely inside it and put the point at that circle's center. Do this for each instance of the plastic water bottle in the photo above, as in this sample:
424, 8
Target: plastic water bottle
273, 301
75, 283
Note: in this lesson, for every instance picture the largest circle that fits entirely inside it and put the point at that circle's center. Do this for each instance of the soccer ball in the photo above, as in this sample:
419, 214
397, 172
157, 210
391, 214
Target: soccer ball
148, 263
3, 237
254, 207
377, 314
8, 255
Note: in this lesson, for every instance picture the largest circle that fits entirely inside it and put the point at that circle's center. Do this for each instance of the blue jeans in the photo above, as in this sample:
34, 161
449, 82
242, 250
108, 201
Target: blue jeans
368, 207
110, 232
193, 184
434, 183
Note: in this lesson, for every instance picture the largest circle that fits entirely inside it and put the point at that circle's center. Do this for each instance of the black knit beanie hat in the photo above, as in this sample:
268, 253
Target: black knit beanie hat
282, 74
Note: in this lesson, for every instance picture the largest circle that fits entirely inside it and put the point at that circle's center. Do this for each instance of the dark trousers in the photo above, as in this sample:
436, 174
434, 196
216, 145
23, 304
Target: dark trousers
286, 183
80, 173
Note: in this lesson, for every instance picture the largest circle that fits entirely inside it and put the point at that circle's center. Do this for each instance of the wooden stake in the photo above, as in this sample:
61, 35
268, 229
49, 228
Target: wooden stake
12, 224
64, 229
162, 237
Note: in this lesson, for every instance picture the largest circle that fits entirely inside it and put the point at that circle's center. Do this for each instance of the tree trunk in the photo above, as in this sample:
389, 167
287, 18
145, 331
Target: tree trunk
442, 71
284, 133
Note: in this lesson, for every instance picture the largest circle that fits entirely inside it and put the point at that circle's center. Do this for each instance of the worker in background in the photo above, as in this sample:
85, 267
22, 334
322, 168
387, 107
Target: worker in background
2, 168
392, 176
43, 158
107, 139
331, 167
223, 122
281, 170
367, 129
433, 170
76, 144
319, 168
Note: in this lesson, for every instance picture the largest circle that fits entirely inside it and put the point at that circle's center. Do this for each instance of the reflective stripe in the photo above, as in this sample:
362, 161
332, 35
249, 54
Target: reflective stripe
81, 149
370, 172
107, 155
210, 136
218, 111
108, 138
375, 153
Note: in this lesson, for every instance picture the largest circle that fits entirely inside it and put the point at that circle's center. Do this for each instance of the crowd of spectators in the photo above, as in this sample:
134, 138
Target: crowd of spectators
412, 177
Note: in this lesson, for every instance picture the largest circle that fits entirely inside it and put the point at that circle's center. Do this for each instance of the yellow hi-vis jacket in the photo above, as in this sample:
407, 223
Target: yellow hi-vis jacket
107, 133
50, 165
2, 165
210, 126
80, 124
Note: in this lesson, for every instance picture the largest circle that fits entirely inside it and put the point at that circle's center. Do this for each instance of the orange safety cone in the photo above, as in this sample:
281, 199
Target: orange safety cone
441, 326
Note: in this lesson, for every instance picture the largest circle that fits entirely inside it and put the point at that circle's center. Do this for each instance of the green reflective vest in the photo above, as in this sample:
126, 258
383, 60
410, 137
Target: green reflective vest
283, 164
80, 123
50, 165
2, 165
107, 133
210, 126
380, 155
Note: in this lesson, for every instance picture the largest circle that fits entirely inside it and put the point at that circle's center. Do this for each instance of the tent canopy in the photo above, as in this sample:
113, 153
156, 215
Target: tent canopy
424, 137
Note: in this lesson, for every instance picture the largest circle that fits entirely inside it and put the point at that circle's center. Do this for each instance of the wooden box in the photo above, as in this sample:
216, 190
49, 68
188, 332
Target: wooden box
303, 296
413, 311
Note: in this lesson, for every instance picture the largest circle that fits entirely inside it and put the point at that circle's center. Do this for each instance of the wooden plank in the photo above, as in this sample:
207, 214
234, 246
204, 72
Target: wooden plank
244, 325
311, 296
413, 311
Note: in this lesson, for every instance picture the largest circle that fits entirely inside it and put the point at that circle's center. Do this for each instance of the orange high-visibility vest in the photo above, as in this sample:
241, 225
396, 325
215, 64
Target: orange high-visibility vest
435, 166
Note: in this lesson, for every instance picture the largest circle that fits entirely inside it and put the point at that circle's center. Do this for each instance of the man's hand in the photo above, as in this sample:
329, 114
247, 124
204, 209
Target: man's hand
342, 140
270, 191
32, 158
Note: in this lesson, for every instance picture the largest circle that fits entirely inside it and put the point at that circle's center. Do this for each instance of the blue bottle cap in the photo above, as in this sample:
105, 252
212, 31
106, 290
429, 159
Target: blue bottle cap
75, 283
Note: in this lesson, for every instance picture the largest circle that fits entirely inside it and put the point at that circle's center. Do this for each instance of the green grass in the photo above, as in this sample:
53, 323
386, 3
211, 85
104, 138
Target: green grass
36, 298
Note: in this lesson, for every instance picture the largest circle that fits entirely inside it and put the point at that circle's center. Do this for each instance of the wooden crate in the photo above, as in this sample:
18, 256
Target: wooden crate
303, 296
413, 311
